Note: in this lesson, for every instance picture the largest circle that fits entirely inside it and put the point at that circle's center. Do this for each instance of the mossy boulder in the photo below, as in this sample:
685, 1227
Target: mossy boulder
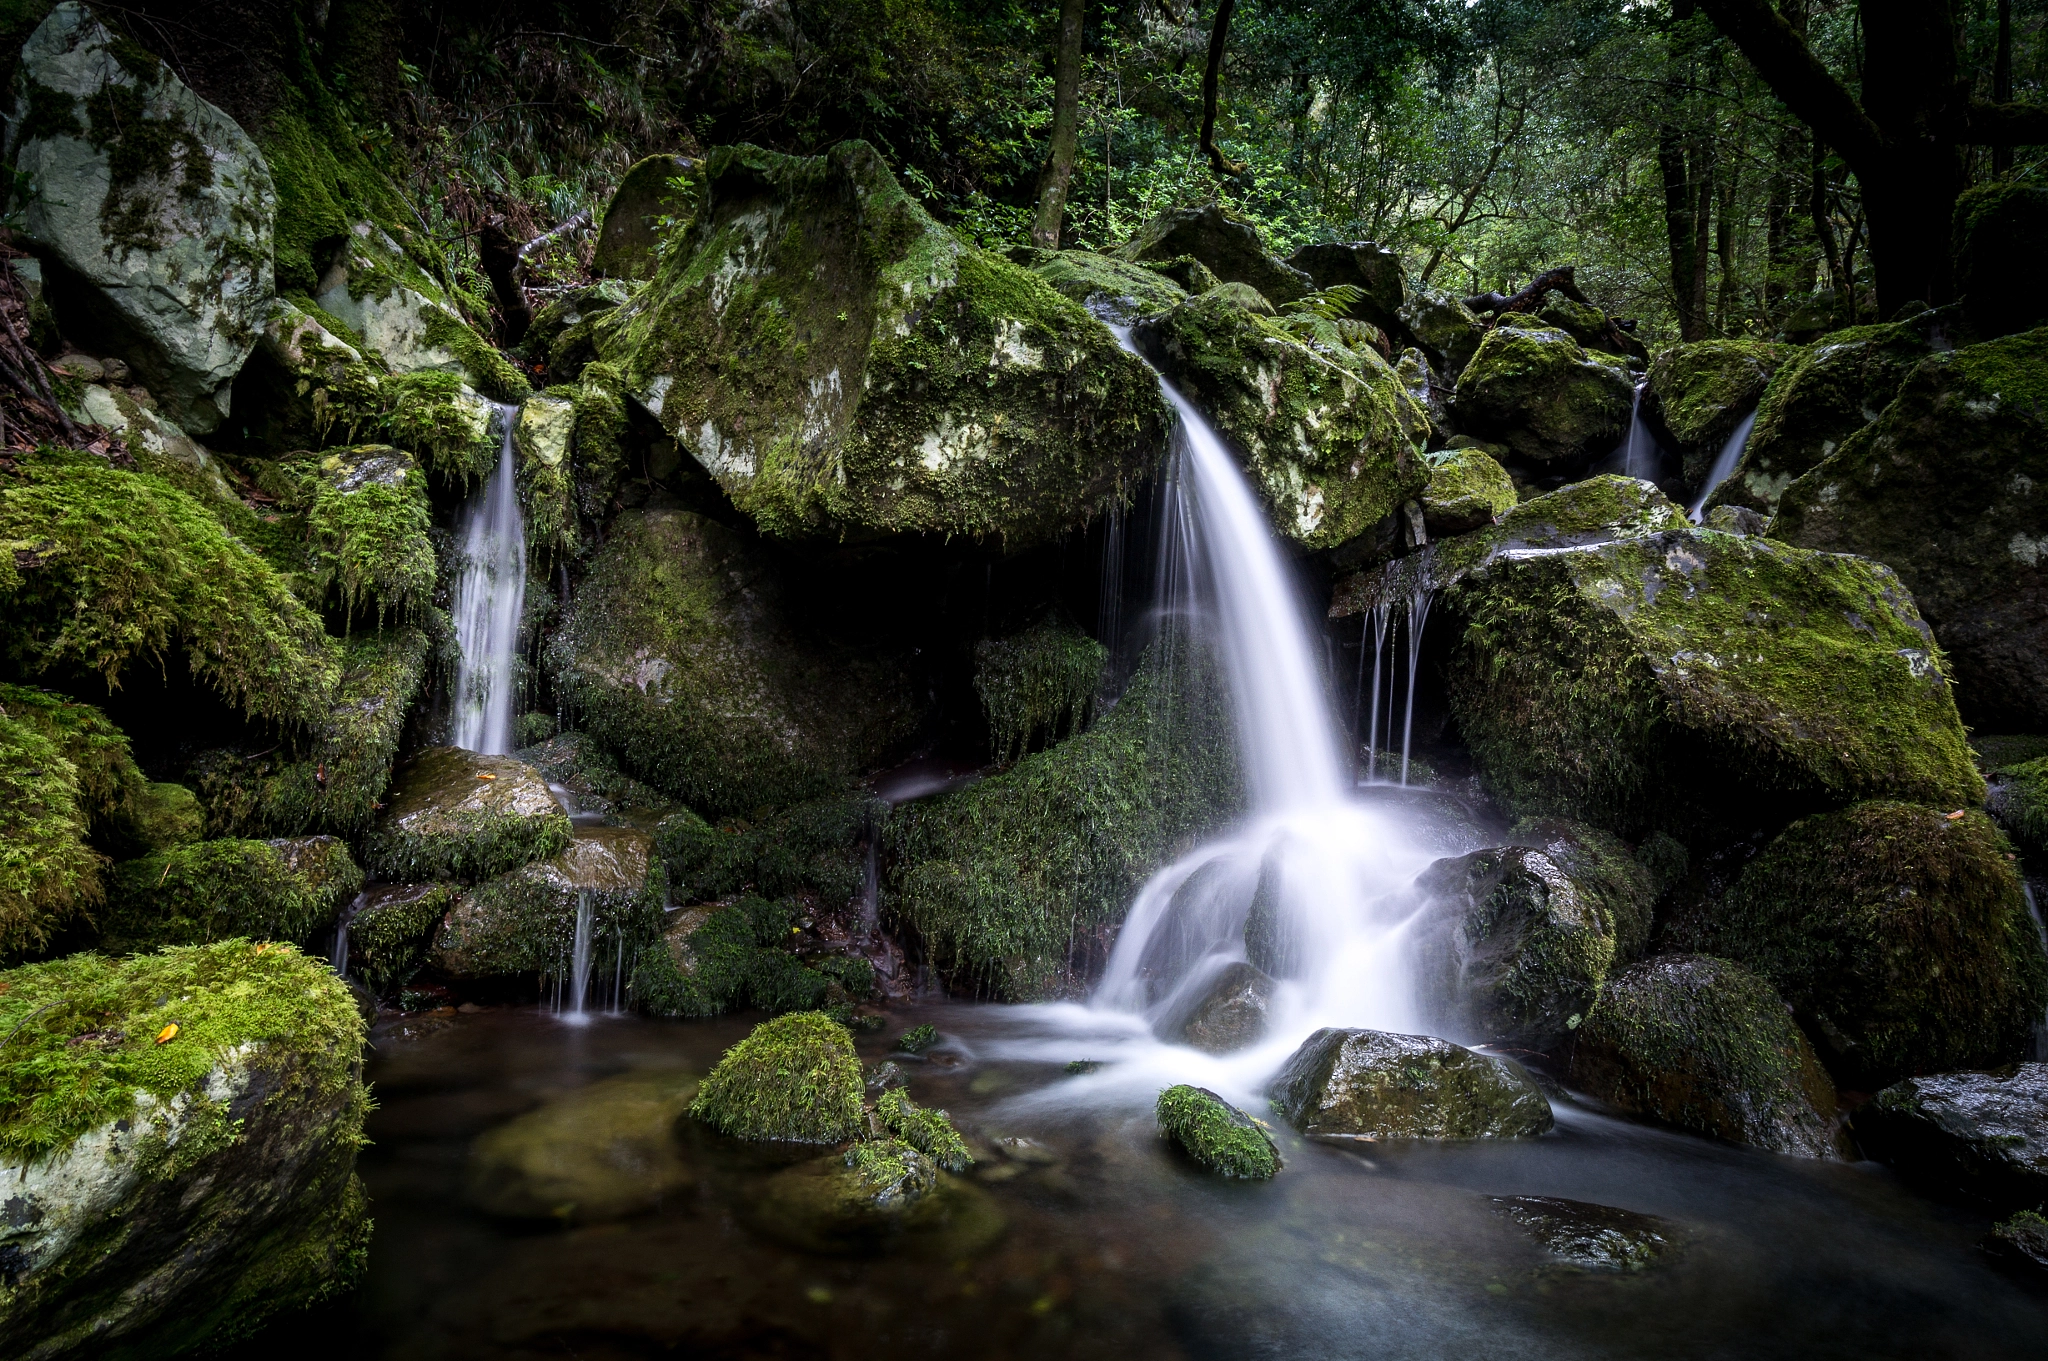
1949, 488
1228, 246
814, 849
457, 815
52, 784
1823, 394
1011, 882
367, 522
1900, 936
563, 336
846, 368
1546, 397
1467, 490
1686, 678
1704, 1044
304, 386
545, 475
454, 431
930, 1132
1983, 1134
2001, 237
163, 815
156, 206
159, 447
598, 446
1444, 329
1518, 940
1367, 266
1700, 391
202, 891
1039, 684
178, 1136
1368, 1084
524, 921
392, 931
794, 1079
1327, 433
1115, 289
647, 206
1216, 1134
599, 1153
678, 656
2019, 801
715, 958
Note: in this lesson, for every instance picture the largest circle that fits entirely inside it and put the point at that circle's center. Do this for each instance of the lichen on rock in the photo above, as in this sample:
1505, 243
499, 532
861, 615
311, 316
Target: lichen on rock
1369, 1084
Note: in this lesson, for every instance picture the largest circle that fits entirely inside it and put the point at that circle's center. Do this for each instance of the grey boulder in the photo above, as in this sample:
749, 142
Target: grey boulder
1369, 1084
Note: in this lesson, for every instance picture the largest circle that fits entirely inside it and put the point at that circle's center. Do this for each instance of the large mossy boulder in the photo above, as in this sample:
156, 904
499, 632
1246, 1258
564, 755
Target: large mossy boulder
1538, 391
1216, 1134
1329, 434
1517, 941
1114, 289
1370, 1084
647, 205
1706, 1045
1900, 936
458, 815
391, 931
1444, 329
1823, 394
1467, 490
178, 1136
1701, 391
846, 368
525, 921
1949, 488
602, 1152
367, 523
1228, 247
678, 654
795, 1079
2000, 243
1688, 678
1370, 268
304, 387
154, 208
201, 891
1984, 1134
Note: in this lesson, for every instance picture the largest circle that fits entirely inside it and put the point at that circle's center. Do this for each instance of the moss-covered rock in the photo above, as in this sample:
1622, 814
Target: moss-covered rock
1112, 288
2001, 236
159, 447
876, 1194
1216, 1134
813, 849
1823, 394
589, 773
845, 367
546, 476
930, 1132
794, 1079
455, 814
524, 921
1368, 1084
1949, 488
156, 203
305, 387
367, 524
1518, 941
178, 1136
2021, 1240
677, 656
598, 450
1444, 329
1982, 1134
1706, 1045
712, 959
163, 815
1467, 490
563, 336
393, 930
453, 430
601, 1152
2019, 800
1545, 396
1700, 391
1038, 684
1229, 247
1008, 881
211, 890
1325, 431
48, 874
653, 203
1687, 677
1900, 936
162, 574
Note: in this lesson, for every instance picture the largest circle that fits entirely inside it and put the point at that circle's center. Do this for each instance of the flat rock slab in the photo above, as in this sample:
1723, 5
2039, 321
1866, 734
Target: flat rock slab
1597, 1237
604, 1152
1985, 1134
1369, 1084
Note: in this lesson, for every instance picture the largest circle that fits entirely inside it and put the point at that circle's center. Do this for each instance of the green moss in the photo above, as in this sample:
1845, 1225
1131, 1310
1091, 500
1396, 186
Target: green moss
389, 936
109, 785
2019, 800
719, 959
159, 572
593, 779
598, 449
146, 157
524, 921
1702, 390
918, 1038
48, 875
1012, 881
795, 1078
458, 816
544, 435
1124, 290
1549, 400
887, 1174
443, 424
812, 848
1899, 934
368, 524
1038, 685
1467, 489
212, 890
1216, 1134
490, 372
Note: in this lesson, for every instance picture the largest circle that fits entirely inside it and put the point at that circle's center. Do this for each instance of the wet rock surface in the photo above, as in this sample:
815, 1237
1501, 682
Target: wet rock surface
1231, 1013
454, 814
645, 203
1369, 1084
1596, 1237
527, 921
1229, 248
1984, 1134
1700, 392
1216, 1134
1542, 394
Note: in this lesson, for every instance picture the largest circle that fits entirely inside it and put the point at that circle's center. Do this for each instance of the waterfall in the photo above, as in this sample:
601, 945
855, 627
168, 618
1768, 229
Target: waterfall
1724, 465
579, 962
340, 957
490, 594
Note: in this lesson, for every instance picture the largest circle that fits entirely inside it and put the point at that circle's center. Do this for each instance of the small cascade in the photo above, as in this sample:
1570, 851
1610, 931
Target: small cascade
340, 957
579, 962
1418, 620
1374, 621
1406, 592
1724, 466
1634, 439
490, 596
1109, 609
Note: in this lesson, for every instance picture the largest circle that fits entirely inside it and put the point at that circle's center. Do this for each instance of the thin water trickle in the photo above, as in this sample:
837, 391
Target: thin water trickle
490, 595
1724, 466
2039, 1048
339, 959
579, 963
1418, 621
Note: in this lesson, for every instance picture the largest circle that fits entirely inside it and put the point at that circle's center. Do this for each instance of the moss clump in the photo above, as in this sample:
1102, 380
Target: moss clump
524, 922
159, 572
1216, 1134
813, 848
443, 423
1467, 490
456, 815
1706, 1045
212, 890
2019, 800
389, 936
888, 1174
795, 1078
545, 474
918, 1038
163, 815
48, 875
1039, 684
1899, 934
2022, 1238
1009, 881
1701, 391
598, 448
368, 523
1536, 390
1120, 290
930, 1132
717, 959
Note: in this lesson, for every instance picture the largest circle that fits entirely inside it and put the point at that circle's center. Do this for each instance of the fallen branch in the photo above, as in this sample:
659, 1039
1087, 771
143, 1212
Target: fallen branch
1563, 279
575, 223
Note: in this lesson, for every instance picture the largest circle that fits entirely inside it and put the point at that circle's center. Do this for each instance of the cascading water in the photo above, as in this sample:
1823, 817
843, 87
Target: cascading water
579, 962
490, 594
1724, 466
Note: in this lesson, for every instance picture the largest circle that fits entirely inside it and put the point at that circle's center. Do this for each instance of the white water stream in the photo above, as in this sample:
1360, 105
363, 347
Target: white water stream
490, 594
1724, 466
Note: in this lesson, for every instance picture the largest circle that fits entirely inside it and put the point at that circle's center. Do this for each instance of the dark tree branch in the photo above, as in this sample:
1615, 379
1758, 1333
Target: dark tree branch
1797, 77
1219, 38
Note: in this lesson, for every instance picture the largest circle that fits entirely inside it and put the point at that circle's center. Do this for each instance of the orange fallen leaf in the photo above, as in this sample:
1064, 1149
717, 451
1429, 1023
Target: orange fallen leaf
1953, 816
167, 1034
487, 776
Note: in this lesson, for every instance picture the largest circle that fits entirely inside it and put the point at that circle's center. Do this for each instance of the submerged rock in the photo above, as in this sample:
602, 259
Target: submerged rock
1228, 247
1231, 1014
1368, 1084
931, 1132
794, 1078
1113, 288
1216, 1134
1700, 391
157, 205
210, 890
1707, 1046
1984, 1134
1597, 1237
601, 1152
455, 814
524, 921
178, 1153
1538, 391
645, 207
1899, 934
879, 1194
846, 367
1949, 488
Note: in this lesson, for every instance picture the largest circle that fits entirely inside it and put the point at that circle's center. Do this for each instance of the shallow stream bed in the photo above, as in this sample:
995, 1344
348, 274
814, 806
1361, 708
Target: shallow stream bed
648, 1237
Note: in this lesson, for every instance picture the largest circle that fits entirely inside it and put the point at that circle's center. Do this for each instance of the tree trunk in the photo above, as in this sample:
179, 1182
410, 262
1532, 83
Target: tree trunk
2001, 81
1066, 130
1212, 74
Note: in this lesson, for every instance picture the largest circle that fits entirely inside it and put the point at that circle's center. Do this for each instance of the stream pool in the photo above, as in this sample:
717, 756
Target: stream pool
1089, 1238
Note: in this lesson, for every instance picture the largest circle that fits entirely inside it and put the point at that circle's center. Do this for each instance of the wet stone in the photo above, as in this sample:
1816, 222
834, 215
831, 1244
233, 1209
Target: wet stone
1985, 1134
455, 814
1597, 1237
1232, 1013
601, 1153
1369, 1084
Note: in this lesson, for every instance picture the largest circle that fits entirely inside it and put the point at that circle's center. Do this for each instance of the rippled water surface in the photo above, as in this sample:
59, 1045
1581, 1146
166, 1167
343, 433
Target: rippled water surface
1098, 1241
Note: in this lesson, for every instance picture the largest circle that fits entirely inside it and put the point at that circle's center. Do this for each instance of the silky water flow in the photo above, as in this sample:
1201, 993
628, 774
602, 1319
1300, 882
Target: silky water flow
490, 593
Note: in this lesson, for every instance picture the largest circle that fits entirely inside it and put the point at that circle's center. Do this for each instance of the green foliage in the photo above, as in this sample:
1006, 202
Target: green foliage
48, 875
738, 955
389, 938
1216, 1134
930, 1132
809, 848
1038, 685
795, 1078
212, 890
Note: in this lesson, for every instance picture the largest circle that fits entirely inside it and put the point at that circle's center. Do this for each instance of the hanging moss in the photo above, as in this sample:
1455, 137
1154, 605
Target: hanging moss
212, 890
153, 571
1216, 1134
389, 936
48, 875
1038, 685
442, 423
368, 523
795, 1078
